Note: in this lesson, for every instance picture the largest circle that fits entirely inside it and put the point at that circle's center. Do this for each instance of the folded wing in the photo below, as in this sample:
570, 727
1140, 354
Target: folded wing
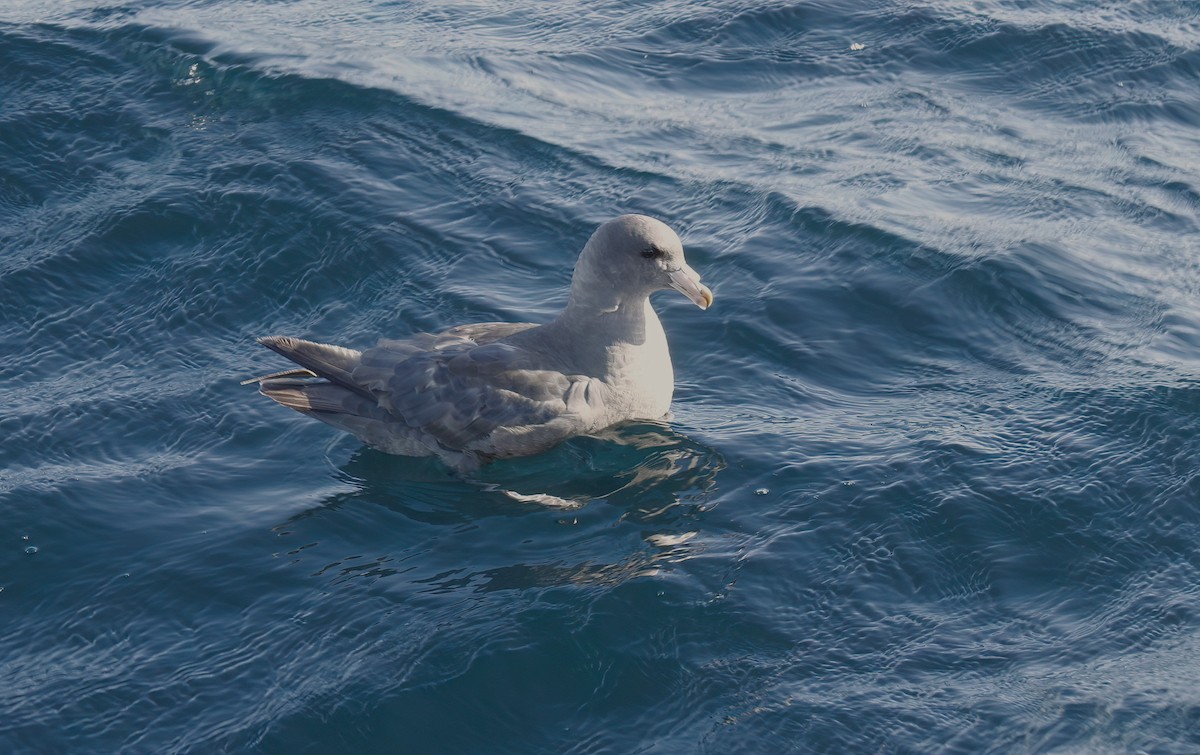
462, 392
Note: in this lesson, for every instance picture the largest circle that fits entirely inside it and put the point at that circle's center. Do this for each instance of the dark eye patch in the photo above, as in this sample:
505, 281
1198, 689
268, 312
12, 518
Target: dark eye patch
654, 252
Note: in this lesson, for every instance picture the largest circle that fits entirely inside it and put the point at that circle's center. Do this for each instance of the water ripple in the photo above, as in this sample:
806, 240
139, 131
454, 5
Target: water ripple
929, 480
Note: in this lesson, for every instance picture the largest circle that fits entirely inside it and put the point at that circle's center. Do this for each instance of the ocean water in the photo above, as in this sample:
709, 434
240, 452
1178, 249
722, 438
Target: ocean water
932, 479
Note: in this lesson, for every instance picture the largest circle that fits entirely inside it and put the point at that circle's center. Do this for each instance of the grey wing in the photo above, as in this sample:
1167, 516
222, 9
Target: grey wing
485, 398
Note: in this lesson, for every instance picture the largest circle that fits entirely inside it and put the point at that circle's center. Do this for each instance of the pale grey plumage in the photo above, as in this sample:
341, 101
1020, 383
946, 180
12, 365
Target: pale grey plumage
492, 390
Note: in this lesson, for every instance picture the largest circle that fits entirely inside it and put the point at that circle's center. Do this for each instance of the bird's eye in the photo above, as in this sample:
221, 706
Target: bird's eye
654, 252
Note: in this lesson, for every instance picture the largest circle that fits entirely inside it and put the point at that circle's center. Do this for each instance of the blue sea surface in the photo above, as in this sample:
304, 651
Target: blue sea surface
932, 478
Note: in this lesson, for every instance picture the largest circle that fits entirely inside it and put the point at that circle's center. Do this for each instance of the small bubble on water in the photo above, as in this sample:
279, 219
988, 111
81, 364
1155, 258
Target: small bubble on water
761, 491
31, 550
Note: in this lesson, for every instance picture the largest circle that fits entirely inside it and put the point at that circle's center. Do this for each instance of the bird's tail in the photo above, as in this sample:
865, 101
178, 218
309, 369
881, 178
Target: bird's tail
333, 363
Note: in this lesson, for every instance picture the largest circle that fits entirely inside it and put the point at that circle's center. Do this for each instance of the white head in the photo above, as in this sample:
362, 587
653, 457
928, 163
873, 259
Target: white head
630, 257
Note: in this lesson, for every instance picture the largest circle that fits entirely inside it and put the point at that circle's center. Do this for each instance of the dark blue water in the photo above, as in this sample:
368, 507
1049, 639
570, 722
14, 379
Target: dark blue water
933, 477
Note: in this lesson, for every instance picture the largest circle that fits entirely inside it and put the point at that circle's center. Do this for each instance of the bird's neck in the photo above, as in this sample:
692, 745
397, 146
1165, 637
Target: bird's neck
610, 321
619, 344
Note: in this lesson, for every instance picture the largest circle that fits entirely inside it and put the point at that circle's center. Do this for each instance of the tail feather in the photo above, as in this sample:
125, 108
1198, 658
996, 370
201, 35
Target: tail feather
307, 396
276, 375
334, 363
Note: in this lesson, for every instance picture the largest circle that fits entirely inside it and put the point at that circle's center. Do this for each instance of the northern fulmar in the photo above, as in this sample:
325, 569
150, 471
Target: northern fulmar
487, 391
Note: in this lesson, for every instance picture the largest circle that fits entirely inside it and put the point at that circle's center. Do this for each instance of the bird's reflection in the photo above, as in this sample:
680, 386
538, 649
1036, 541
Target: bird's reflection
657, 481
644, 466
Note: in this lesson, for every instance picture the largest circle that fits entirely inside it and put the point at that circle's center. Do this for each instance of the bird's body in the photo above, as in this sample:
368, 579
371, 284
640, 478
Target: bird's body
494, 390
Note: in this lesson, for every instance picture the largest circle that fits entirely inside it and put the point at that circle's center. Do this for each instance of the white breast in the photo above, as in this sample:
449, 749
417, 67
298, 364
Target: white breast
641, 379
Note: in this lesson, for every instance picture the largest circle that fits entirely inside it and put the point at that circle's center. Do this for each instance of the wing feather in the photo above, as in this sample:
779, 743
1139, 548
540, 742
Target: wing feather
466, 389
462, 391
